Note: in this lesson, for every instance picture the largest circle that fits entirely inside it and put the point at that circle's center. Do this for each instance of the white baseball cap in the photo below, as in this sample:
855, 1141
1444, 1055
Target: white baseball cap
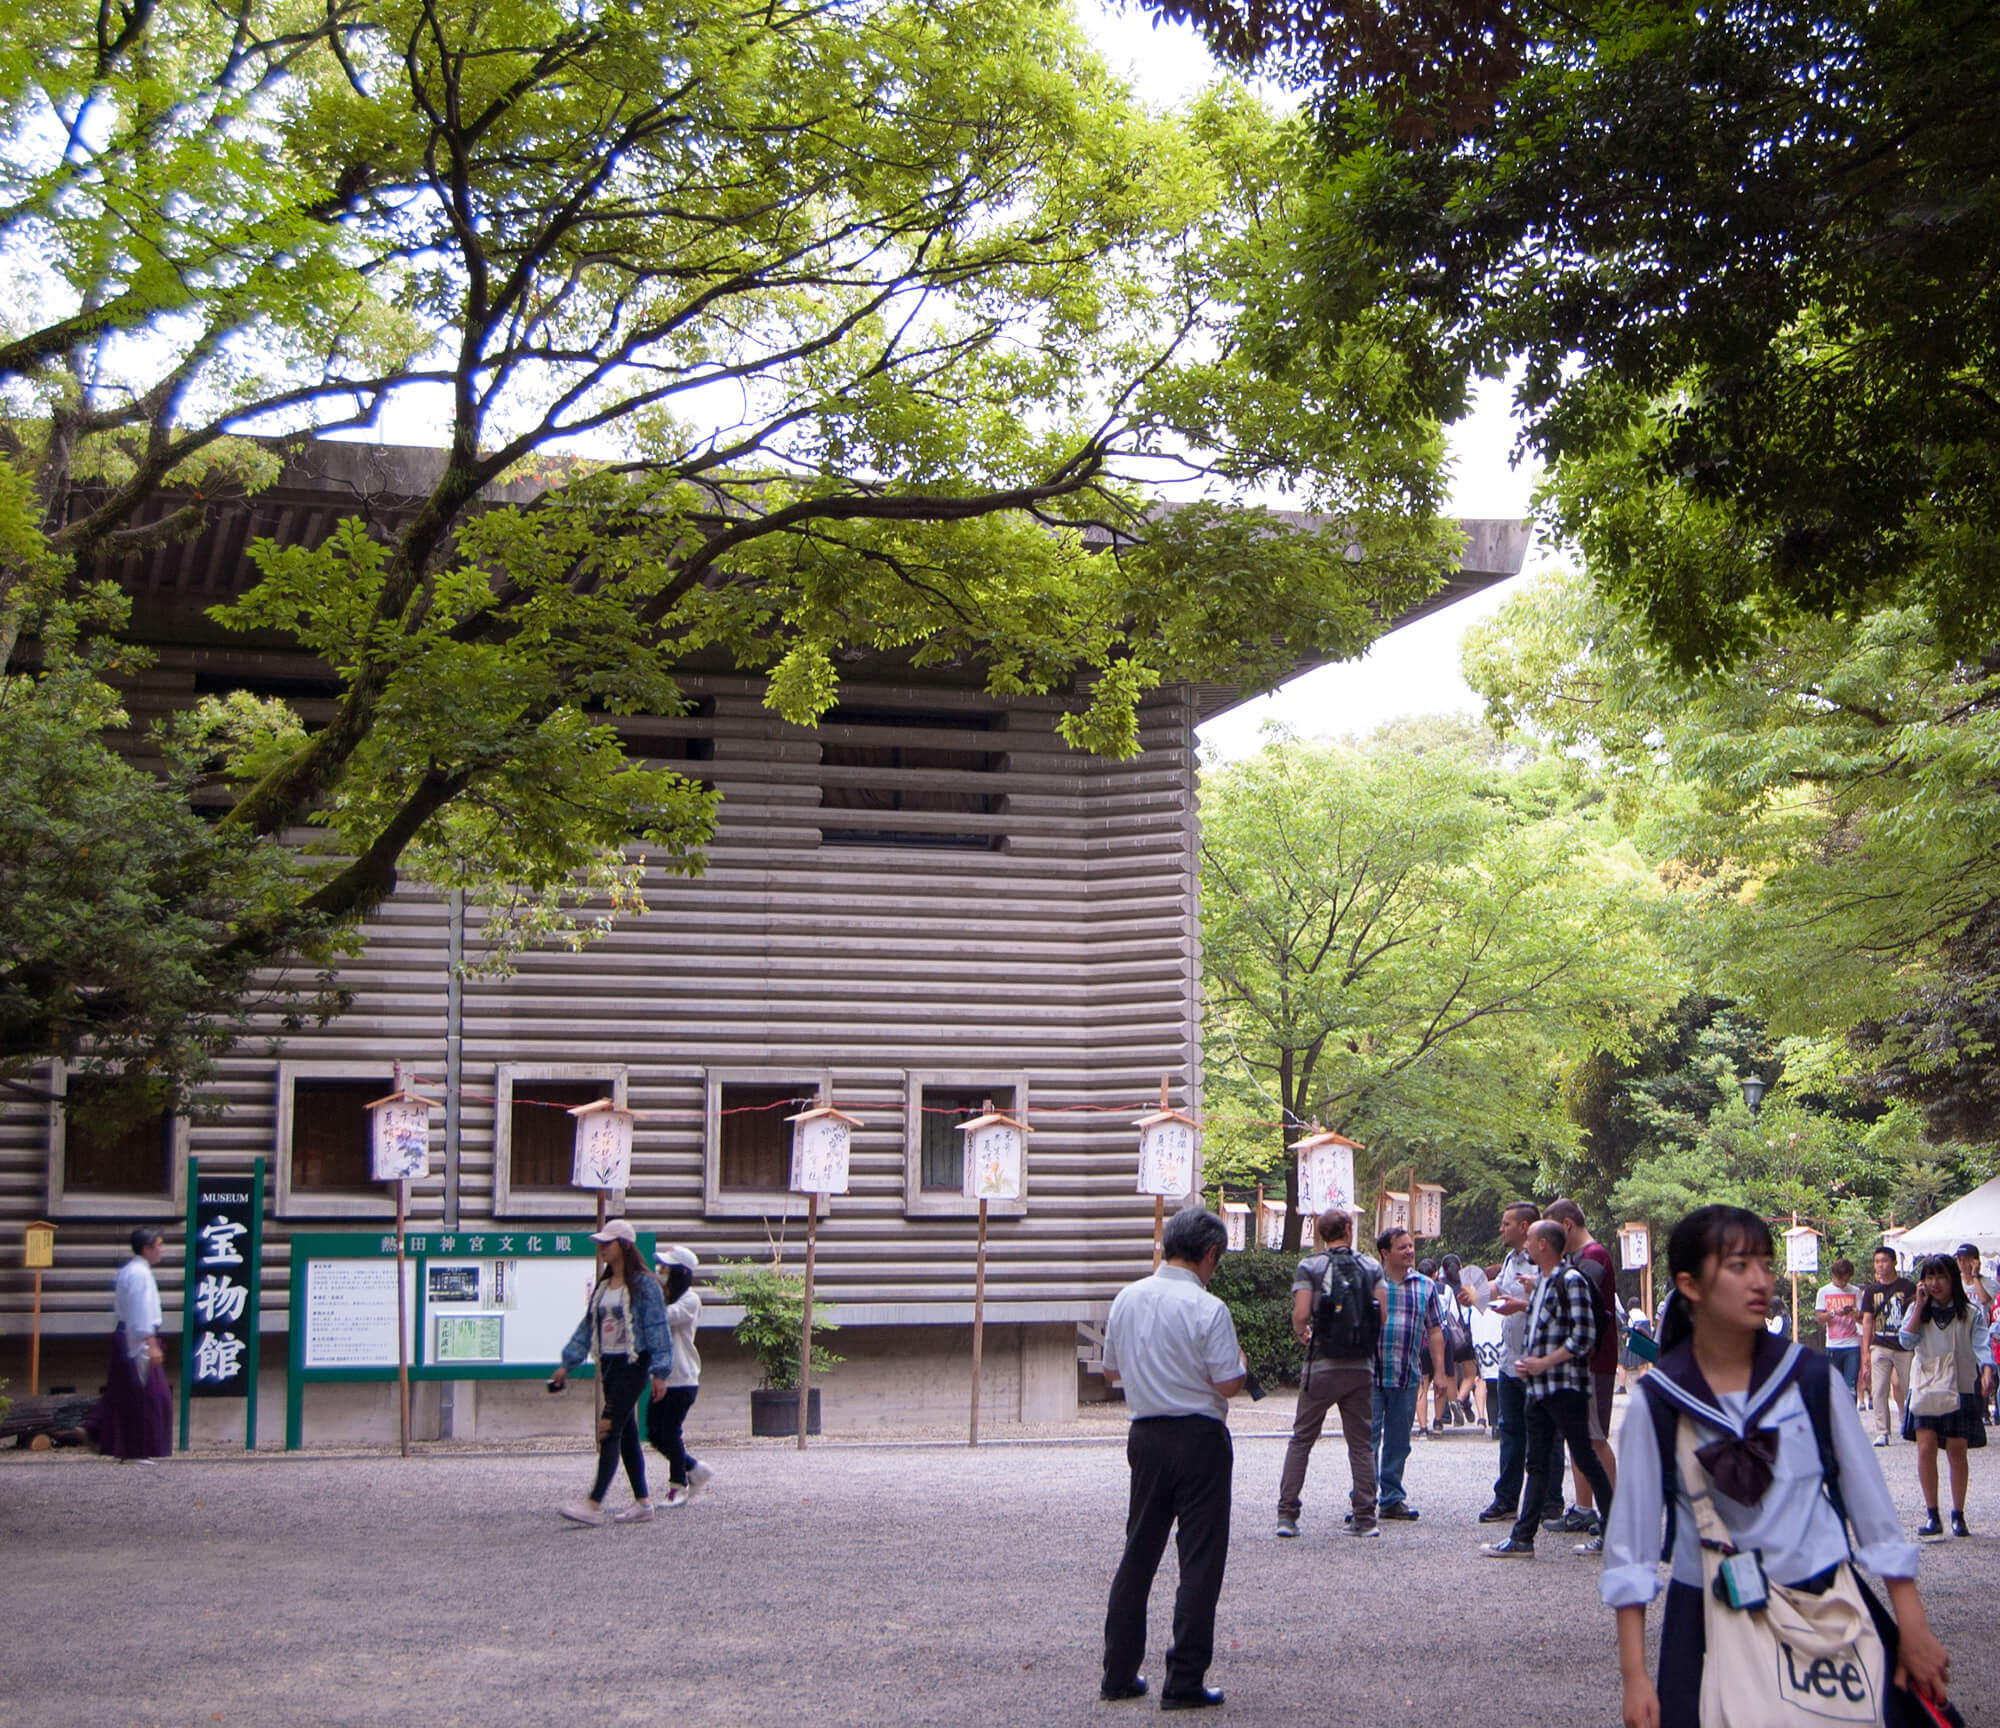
618, 1230
680, 1257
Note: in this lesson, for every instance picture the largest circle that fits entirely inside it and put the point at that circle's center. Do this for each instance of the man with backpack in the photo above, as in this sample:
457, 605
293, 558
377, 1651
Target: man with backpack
1337, 1307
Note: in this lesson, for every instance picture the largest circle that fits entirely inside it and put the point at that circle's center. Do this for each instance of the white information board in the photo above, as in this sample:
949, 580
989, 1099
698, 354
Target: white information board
1801, 1250
350, 1313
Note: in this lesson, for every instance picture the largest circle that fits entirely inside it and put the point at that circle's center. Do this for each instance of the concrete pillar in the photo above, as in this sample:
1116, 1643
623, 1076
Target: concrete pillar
1048, 1372
458, 1410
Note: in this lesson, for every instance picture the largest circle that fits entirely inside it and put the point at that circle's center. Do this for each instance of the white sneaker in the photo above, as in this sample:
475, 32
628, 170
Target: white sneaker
639, 1512
583, 1512
699, 1477
673, 1499
1881, 1439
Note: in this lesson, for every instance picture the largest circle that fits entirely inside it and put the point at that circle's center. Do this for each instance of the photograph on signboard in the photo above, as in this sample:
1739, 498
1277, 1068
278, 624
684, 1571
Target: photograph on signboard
444, 1282
401, 1143
469, 1338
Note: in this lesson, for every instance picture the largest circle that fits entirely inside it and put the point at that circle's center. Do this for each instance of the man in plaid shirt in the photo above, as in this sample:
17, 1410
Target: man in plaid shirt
1412, 1323
1555, 1373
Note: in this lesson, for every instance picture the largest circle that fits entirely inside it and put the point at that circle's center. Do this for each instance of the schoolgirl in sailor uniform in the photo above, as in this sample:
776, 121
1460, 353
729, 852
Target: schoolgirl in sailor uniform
1742, 1389
1946, 1333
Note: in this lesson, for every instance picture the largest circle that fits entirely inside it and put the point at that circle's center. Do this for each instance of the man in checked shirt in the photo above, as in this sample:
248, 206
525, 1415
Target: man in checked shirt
1555, 1373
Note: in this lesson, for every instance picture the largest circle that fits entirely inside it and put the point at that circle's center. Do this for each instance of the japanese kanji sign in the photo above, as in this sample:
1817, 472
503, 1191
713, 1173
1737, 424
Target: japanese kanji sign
820, 1140
224, 1247
603, 1156
400, 1147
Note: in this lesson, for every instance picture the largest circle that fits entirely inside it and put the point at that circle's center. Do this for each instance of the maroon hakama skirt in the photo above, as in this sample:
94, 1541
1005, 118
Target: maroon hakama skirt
134, 1418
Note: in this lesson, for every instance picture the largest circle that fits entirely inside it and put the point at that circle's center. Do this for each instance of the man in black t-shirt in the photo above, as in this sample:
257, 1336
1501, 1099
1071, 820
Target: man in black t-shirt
1885, 1364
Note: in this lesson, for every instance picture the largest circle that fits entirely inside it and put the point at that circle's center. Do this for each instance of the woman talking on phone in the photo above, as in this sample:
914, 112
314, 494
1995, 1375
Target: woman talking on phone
1946, 1333
624, 1328
1736, 1442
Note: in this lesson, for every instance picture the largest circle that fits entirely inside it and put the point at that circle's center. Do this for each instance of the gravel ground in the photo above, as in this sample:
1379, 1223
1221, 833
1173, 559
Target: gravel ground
854, 1583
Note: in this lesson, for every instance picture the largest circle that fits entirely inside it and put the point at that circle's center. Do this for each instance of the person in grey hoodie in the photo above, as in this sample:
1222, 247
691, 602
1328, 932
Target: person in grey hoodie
624, 1327
686, 1476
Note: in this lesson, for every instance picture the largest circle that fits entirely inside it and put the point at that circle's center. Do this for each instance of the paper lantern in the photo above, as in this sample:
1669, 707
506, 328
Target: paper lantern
995, 1152
1392, 1211
1166, 1156
1236, 1220
1801, 1249
1271, 1224
819, 1149
1430, 1210
603, 1156
1635, 1247
1326, 1171
399, 1145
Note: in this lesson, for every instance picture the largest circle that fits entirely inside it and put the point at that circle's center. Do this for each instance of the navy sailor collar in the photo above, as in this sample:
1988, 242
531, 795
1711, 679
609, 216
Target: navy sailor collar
1773, 1368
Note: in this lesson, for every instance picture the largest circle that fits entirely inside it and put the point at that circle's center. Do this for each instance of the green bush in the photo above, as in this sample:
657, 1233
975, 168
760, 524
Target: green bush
1257, 1286
774, 1311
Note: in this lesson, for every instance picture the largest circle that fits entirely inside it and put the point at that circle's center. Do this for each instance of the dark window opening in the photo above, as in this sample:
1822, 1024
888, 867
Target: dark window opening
895, 780
940, 1145
542, 1132
107, 1152
754, 1148
331, 1132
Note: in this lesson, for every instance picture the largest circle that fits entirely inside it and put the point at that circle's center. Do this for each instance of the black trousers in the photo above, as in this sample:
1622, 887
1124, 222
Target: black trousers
1561, 1418
1509, 1406
1181, 1467
664, 1422
624, 1380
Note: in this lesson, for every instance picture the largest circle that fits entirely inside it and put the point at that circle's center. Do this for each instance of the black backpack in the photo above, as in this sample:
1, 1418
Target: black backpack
1346, 1322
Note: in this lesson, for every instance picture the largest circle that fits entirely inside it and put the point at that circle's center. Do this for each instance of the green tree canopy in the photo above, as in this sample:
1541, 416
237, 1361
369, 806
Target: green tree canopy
870, 317
1758, 242
1409, 948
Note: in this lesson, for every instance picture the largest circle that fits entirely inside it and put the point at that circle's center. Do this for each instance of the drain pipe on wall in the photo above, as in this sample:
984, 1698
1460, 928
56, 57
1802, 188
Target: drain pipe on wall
458, 1406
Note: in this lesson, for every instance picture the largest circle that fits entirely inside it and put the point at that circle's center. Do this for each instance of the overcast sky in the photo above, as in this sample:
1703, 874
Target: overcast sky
1414, 670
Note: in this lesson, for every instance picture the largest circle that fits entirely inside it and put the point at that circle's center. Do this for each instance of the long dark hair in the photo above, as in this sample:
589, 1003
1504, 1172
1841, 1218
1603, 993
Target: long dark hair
632, 1264
679, 1279
1705, 1234
1957, 1306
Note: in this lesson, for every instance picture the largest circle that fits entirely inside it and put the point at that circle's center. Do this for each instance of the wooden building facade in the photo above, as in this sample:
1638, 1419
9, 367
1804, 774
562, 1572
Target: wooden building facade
926, 903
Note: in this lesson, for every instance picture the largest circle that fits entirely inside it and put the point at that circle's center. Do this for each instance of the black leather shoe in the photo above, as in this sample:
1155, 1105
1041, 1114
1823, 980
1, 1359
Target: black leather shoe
1118, 1693
1497, 1514
1204, 1699
1397, 1509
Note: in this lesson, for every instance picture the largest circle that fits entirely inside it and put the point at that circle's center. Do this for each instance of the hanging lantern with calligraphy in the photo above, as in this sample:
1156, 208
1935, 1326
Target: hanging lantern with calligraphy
399, 1145
1326, 1171
820, 1139
995, 1155
603, 1155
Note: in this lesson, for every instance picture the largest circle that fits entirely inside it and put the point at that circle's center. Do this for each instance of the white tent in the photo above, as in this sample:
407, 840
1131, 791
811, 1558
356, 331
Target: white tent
1974, 1219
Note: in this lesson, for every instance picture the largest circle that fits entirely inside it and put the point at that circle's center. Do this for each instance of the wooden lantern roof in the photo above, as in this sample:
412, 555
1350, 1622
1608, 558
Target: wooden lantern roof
1317, 1136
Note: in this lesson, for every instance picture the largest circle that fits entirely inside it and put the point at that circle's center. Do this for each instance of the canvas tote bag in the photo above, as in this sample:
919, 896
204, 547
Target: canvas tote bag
1936, 1373
1803, 1661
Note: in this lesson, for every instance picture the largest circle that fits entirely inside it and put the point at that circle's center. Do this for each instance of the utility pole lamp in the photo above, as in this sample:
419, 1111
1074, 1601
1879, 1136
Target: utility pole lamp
1754, 1088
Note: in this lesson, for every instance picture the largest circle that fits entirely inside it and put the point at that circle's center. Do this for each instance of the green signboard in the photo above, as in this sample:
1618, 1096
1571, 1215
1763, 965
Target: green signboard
478, 1304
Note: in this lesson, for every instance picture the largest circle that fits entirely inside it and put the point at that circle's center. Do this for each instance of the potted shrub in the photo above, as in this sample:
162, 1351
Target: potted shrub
774, 1307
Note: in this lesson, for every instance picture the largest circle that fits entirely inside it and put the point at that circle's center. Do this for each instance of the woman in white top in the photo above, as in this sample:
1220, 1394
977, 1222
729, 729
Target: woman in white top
686, 1476
1951, 1351
1743, 1393
134, 1418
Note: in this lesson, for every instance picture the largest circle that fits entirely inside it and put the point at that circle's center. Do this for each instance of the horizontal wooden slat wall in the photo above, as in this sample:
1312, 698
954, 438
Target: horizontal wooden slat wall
1066, 953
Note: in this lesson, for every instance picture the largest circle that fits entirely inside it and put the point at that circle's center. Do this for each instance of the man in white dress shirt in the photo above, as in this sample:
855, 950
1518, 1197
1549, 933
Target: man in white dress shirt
1172, 1346
134, 1419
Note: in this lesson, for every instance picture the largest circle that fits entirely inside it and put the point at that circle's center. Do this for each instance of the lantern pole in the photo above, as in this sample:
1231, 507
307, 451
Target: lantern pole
978, 1300
35, 1339
978, 1320
402, 1298
806, 1320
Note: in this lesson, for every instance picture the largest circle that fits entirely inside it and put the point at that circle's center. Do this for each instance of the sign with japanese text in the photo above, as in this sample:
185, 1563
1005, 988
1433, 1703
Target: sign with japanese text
1801, 1249
1236, 1220
1326, 1178
993, 1162
1166, 1158
1635, 1247
1430, 1210
819, 1153
38, 1249
225, 1242
1271, 1224
401, 1145
603, 1158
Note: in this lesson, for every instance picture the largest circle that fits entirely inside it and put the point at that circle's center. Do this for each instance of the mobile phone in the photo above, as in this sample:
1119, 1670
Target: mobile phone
556, 1385
1254, 1387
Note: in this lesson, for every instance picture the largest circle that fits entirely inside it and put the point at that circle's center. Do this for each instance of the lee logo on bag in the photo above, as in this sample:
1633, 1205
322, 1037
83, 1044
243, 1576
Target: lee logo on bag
1833, 1688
